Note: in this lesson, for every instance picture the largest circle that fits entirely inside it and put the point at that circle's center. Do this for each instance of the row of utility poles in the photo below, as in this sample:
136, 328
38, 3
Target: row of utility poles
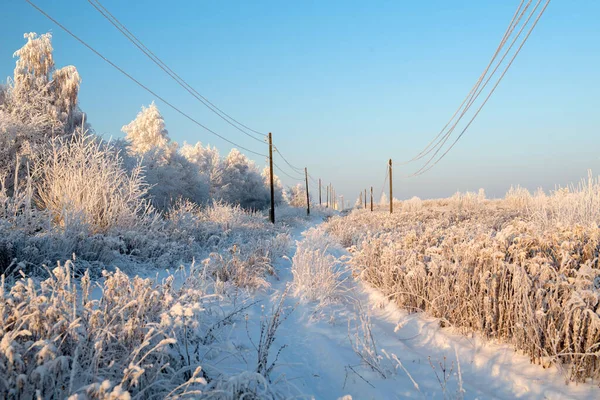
330, 188
360, 195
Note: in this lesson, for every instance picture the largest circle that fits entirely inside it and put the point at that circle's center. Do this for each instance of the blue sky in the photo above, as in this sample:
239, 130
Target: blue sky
346, 85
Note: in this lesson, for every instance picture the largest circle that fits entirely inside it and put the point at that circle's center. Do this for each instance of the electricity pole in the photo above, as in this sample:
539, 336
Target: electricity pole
272, 211
391, 193
307, 197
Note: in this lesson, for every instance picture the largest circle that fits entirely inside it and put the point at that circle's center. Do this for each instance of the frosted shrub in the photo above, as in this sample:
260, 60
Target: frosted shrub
57, 341
508, 274
467, 200
317, 275
295, 196
518, 198
80, 182
412, 205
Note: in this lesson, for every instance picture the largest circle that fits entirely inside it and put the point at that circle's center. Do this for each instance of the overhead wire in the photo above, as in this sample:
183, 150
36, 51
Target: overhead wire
297, 169
428, 165
470, 98
286, 174
154, 58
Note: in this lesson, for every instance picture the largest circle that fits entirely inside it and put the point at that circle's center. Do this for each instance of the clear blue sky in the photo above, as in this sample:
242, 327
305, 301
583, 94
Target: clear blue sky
345, 85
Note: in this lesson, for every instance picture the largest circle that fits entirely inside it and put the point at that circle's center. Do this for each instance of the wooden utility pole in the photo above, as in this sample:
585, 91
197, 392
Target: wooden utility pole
334, 197
320, 202
371, 198
307, 196
272, 211
391, 192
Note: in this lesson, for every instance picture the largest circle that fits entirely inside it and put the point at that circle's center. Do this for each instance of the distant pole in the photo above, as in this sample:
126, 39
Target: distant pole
320, 201
330, 195
391, 192
272, 211
307, 196
327, 204
334, 199
365, 199
371, 198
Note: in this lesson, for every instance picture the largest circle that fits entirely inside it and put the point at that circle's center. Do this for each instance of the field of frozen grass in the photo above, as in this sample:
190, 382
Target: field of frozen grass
521, 270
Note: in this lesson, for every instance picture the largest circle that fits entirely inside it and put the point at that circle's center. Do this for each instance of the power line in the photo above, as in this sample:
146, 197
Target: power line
138, 43
440, 144
297, 169
138, 82
387, 172
424, 169
286, 174
472, 95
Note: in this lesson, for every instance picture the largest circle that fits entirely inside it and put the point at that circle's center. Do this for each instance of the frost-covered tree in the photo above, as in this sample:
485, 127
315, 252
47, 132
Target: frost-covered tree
296, 196
37, 104
148, 132
39, 94
277, 186
241, 183
208, 162
359, 202
383, 201
171, 175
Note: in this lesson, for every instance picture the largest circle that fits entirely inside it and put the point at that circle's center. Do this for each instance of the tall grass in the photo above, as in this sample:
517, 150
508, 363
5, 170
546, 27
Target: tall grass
523, 270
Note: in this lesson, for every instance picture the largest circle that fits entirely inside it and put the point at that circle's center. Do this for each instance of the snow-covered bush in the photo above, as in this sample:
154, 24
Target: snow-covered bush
295, 196
208, 162
241, 183
317, 274
412, 205
82, 183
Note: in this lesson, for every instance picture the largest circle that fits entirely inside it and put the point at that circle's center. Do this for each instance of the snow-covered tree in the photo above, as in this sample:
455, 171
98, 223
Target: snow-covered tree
171, 175
39, 94
241, 183
148, 132
37, 104
384, 199
278, 187
296, 196
359, 202
208, 162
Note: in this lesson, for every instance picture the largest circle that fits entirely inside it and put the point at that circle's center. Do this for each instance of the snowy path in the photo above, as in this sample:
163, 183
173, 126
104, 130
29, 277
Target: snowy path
319, 355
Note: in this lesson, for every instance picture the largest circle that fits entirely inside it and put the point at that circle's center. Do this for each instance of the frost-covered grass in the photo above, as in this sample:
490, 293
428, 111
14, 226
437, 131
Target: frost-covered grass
317, 274
523, 271
138, 338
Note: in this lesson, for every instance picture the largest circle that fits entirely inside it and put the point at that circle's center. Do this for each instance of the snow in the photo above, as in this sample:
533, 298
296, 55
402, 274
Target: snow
319, 360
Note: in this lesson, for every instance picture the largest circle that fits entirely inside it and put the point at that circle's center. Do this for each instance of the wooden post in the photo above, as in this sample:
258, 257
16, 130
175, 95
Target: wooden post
371, 198
307, 196
391, 192
320, 201
334, 198
272, 211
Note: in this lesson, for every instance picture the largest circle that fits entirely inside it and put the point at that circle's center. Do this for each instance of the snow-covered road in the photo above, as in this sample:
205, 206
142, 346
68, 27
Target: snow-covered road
319, 359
